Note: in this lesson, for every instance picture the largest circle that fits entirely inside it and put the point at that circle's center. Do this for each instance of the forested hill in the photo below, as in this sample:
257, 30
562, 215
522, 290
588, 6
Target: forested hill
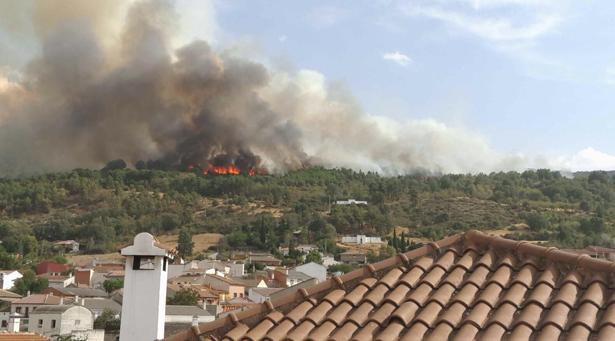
103, 209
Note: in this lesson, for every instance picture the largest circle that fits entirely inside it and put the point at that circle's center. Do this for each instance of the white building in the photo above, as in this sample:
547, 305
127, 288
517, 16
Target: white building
260, 295
145, 287
327, 261
63, 320
313, 270
8, 278
361, 239
351, 202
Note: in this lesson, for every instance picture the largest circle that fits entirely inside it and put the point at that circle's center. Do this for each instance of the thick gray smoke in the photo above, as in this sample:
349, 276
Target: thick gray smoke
84, 101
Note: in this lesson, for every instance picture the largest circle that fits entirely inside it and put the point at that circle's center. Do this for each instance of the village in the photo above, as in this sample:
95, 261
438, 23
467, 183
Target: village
84, 301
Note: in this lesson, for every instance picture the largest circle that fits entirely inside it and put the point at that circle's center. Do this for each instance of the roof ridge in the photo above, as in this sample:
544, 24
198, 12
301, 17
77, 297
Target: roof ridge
471, 239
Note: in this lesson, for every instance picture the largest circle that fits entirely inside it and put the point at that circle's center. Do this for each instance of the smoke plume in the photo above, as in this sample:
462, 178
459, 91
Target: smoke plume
98, 91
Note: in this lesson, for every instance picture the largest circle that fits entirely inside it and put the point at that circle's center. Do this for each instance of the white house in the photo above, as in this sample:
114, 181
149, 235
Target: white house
361, 239
63, 320
327, 261
351, 202
8, 278
314, 270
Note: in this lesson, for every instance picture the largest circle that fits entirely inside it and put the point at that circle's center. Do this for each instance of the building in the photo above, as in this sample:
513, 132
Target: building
58, 281
69, 246
52, 268
98, 305
74, 292
187, 314
26, 305
8, 278
313, 270
351, 202
264, 259
361, 239
145, 288
62, 320
470, 286
11, 336
327, 261
83, 277
259, 295
353, 257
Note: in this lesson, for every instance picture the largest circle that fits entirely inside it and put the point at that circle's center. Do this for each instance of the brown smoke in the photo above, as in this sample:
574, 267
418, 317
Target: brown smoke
90, 98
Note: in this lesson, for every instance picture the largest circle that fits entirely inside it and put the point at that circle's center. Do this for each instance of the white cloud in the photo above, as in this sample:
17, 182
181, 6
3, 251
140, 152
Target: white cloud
397, 57
497, 29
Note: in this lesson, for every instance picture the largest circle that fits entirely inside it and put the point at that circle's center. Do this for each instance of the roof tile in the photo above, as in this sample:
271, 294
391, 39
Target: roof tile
495, 289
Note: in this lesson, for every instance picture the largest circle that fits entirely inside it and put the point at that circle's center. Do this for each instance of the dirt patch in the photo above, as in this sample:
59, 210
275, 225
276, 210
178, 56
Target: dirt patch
84, 260
201, 241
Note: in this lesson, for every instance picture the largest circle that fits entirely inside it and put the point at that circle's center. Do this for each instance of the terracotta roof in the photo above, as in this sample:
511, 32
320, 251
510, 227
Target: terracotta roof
8, 294
7, 336
465, 287
38, 299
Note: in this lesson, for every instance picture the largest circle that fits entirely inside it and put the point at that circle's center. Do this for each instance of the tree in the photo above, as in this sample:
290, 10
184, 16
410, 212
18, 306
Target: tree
107, 321
185, 243
185, 296
30, 283
111, 285
313, 256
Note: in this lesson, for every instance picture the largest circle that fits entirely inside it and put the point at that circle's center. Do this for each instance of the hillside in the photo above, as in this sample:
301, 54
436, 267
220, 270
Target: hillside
104, 209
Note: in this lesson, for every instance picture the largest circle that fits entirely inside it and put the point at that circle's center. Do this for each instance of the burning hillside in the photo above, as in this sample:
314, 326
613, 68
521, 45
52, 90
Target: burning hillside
224, 164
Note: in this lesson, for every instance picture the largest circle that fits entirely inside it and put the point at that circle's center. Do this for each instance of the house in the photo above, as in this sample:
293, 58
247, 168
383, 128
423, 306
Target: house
313, 270
361, 239
327, 261
229, 287
264, 259
25, 305
469, 286
237, 303
74, 292
83, 277
8, 278
98, 305
13, 336
63, 320
187, 314
353, 257
58, 281
52, 268
259, 295
69, 246
351, 202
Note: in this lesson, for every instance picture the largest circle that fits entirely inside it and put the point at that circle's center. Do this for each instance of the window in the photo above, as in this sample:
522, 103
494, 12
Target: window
53, 324
40, 324
77, 322
4, 324
18, 310
143, 263
235, 294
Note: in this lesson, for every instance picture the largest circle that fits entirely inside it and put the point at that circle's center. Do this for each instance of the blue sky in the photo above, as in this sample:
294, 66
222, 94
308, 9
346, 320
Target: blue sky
531, 77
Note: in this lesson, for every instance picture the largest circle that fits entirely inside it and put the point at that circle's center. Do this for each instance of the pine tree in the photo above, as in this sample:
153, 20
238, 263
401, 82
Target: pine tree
185, 243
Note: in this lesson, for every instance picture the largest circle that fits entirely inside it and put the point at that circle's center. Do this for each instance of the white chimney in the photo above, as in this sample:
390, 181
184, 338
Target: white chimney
145, 288
61, 300
195, 320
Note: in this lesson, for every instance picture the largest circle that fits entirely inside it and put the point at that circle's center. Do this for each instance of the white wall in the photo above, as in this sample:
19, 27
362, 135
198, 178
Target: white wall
186, 319
7, 279
313, 270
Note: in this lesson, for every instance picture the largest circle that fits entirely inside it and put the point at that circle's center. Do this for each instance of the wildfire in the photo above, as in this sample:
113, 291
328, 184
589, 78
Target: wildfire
222, 170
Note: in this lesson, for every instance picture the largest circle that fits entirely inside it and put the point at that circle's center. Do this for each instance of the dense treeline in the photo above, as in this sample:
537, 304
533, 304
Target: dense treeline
102, 209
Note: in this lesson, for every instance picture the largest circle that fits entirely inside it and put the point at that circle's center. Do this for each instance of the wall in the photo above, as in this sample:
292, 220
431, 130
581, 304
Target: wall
313, 270
186, 319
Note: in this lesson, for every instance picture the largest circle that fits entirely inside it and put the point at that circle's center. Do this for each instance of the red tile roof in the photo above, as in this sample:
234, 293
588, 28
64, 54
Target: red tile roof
465, 287
7, 336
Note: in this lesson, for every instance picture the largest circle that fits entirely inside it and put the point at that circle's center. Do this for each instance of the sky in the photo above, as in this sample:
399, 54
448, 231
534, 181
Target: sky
533, 79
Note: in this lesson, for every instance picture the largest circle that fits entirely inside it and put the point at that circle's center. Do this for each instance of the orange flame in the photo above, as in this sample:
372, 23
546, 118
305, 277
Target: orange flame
223, 170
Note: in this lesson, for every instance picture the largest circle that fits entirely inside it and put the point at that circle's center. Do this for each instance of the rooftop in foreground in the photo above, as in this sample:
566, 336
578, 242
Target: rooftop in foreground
465, 287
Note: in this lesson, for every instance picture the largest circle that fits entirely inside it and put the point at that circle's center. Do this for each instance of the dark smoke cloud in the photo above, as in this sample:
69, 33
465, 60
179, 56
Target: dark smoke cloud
84, 102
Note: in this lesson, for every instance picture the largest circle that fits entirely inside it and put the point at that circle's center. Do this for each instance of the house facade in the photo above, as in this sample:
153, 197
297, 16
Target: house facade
8, 278
61, 320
